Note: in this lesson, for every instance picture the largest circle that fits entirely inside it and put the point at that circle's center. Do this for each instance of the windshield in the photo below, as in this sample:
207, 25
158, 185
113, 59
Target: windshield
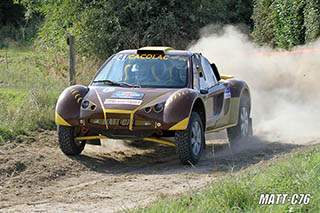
145, 70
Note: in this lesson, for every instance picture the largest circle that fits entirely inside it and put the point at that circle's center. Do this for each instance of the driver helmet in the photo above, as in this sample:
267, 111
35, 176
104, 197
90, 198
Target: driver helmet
140, 71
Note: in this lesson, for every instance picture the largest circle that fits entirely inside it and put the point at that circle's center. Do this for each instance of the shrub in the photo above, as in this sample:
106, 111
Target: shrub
312, 20
279, 23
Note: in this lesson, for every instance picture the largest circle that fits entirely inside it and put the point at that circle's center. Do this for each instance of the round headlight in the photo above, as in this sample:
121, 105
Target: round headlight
85, 104
148, 109
93, 107
158, 107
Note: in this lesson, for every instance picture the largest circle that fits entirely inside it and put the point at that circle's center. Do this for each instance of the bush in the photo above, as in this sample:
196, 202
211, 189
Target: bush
286, 23
264, 30
312, 20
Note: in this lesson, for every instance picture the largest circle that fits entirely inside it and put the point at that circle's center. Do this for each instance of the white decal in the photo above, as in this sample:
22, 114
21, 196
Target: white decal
227, 93
283, 198
123, 101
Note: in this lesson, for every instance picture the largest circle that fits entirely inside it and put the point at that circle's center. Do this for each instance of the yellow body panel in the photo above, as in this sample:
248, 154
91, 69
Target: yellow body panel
225, 77
155, 48
61, 121
118, 111
220, 128
90, 137
182, 125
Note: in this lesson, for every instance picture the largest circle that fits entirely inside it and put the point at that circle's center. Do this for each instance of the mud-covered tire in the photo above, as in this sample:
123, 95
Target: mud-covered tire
190, 142
67, 143
244, 127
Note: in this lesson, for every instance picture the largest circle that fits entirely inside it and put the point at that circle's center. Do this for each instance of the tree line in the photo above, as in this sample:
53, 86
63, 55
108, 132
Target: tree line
105, 27
286, 23
102, 27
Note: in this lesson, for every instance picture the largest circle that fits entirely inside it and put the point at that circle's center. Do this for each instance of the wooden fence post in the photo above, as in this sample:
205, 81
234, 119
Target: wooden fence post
72, 60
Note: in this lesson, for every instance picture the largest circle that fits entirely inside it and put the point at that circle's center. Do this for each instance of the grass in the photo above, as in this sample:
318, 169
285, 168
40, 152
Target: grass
297, 173
30, 84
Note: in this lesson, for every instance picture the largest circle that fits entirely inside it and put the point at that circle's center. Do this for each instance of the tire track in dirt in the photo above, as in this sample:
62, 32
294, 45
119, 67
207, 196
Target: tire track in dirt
118, 175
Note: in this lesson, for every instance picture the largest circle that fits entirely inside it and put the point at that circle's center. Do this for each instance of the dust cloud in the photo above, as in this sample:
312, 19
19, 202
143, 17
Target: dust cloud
285, 88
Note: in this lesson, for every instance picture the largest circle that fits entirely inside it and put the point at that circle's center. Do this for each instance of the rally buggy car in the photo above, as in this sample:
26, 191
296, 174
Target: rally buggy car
152, 94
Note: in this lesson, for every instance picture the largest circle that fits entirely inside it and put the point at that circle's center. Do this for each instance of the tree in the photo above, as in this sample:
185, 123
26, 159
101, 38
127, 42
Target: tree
104, 27
279, 23
312, 20
264, 22
289, 19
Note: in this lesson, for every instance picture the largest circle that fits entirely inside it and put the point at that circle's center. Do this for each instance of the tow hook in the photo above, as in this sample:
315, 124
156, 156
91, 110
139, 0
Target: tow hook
159, 132
84, 130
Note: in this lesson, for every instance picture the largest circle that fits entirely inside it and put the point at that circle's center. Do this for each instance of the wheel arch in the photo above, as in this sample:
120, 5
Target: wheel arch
178, 109
198, 106
68, 105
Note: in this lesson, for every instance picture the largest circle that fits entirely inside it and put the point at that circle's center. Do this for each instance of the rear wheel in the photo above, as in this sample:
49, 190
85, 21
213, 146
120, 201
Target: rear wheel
190, 142
244, 127
67, 143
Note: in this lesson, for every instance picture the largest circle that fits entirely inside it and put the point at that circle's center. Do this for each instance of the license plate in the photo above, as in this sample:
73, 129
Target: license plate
118, 122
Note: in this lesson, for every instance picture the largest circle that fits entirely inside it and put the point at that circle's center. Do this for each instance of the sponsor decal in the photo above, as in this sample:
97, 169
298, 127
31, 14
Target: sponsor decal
108, 89
149, 56
227, 93
128, 95
123, 101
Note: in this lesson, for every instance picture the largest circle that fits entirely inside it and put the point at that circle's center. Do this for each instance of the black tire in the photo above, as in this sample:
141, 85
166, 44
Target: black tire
244, 127
188, 152
67, 143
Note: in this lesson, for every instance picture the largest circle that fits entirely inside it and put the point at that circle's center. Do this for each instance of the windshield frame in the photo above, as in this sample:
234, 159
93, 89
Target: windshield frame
187, 80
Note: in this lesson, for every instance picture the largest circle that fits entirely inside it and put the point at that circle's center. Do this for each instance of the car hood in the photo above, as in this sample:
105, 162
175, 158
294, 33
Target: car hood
124, 98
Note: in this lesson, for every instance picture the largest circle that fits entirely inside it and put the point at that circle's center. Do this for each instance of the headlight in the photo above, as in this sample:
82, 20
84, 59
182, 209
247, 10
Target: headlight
158, 108
148, 109
85, 104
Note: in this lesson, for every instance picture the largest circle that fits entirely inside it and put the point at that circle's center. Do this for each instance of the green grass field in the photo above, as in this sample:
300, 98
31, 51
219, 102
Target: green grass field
295, 174
30, 83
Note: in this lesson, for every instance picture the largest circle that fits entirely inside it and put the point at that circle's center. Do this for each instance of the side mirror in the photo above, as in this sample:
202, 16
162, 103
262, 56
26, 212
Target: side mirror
204, 91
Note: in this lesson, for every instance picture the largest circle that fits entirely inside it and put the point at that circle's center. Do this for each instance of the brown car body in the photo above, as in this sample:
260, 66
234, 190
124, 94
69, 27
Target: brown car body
137, 118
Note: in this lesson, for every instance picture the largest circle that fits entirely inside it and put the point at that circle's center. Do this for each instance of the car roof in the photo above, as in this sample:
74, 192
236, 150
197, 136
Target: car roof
158, 49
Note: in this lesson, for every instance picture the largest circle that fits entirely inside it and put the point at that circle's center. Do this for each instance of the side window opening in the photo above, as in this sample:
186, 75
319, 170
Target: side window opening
215, 71
196, 83
211, 78
201, 82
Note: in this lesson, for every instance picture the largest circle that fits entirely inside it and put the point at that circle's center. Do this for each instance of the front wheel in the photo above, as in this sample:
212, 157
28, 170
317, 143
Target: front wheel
67, 144
244, 127
190, 142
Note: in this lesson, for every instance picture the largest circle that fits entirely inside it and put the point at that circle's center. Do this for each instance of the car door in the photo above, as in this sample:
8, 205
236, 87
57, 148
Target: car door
215, 94
203, 83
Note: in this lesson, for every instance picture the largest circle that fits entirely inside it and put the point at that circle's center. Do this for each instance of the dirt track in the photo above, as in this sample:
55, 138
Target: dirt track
36, 176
